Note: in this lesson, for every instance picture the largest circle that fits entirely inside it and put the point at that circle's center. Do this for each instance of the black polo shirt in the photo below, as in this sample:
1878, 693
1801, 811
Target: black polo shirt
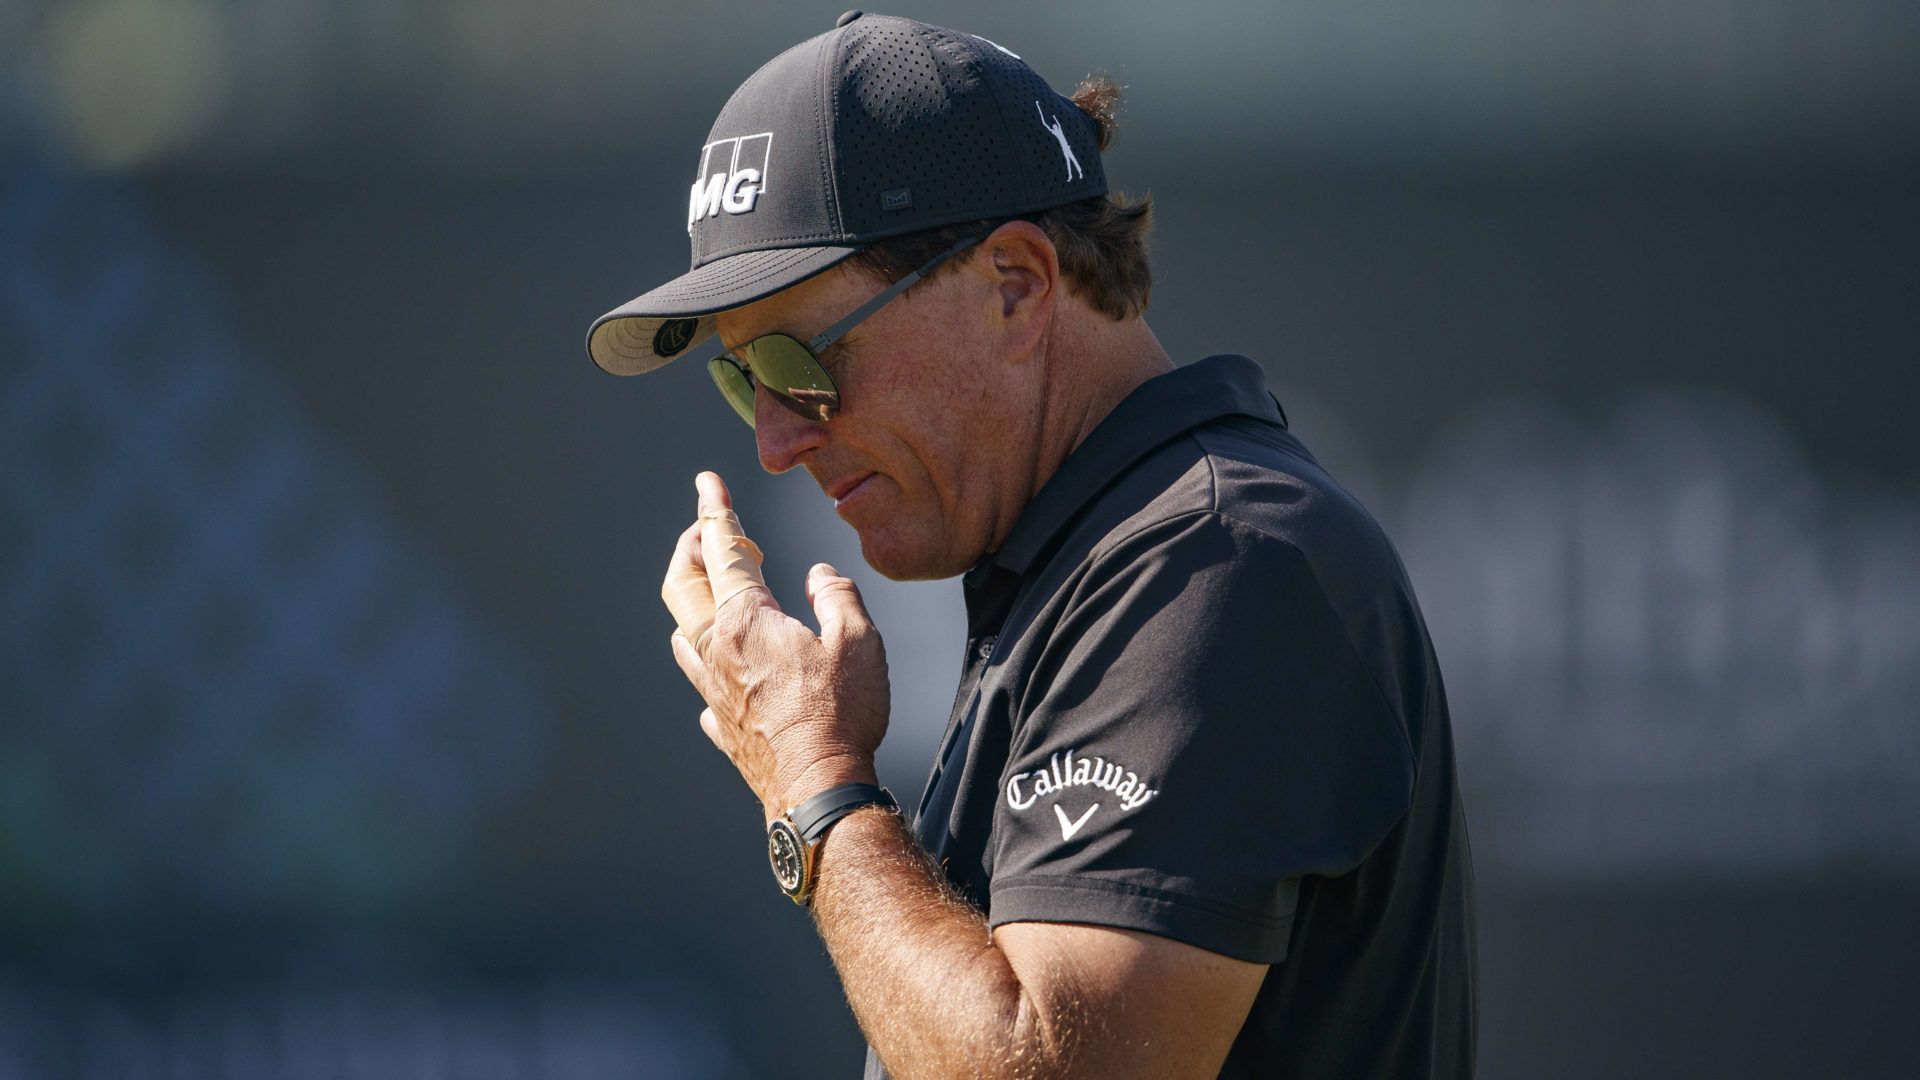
1199, 701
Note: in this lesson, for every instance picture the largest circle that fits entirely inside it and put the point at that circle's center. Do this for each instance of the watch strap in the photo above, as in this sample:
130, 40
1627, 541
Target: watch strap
814, 816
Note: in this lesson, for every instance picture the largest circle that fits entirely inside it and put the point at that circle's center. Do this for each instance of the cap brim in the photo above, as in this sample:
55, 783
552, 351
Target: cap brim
629, 340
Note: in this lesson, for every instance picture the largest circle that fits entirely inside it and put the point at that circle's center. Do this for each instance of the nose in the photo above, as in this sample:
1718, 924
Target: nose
783, 436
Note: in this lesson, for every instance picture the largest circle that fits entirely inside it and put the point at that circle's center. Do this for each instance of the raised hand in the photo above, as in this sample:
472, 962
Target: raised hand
795, 712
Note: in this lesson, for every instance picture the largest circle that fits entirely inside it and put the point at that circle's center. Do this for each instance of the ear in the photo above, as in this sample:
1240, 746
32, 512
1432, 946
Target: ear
1024, 271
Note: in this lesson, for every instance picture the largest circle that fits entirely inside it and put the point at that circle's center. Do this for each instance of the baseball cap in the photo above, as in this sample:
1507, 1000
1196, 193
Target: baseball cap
878, 127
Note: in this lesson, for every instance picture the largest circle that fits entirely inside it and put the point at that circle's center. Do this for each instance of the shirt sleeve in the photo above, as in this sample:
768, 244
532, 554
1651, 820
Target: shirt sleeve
1199, 735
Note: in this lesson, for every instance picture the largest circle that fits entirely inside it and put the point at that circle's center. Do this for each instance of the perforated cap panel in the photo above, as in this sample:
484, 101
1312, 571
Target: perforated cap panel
961, 126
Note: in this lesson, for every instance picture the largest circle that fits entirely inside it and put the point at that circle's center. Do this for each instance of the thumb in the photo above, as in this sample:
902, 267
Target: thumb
837, 605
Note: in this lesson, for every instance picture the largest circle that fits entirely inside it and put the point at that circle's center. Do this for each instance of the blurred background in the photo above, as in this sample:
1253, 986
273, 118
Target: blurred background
338, 732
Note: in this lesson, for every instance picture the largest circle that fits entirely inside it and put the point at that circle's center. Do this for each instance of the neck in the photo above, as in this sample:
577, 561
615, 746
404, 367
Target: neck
1092, 363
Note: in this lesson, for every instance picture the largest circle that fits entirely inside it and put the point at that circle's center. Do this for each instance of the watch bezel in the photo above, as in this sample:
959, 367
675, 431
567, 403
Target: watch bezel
781, 833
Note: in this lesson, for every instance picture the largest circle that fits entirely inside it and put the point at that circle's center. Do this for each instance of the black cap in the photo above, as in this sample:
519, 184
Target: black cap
878, 127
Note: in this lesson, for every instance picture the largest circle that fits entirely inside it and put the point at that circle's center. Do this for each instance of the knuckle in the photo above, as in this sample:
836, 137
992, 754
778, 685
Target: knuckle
859, 635
730, 623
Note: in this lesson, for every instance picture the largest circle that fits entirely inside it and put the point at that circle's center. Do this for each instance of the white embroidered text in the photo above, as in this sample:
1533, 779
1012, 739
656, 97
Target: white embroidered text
1064, 770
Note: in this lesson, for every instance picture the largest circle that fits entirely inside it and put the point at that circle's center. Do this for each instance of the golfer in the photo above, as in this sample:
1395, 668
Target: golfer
1195, 812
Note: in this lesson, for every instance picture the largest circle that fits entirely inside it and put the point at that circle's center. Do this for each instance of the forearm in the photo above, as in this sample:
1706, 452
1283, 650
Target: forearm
933, 994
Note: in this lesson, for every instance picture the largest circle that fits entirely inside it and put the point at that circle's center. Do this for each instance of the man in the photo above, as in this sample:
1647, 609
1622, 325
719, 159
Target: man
1195, 811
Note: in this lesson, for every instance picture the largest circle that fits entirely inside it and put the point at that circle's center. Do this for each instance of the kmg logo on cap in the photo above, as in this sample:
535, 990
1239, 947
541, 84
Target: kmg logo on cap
732, 177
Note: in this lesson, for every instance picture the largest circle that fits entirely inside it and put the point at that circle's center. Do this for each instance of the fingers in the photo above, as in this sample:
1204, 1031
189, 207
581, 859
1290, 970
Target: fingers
732, 560
837, 605
687, 591
712, 494
687, 655
695, 669
713, 562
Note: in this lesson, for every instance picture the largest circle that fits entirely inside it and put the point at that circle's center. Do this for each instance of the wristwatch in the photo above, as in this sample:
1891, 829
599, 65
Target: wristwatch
794, 838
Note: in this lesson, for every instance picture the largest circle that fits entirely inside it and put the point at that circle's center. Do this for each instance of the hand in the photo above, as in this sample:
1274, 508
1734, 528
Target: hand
796, 713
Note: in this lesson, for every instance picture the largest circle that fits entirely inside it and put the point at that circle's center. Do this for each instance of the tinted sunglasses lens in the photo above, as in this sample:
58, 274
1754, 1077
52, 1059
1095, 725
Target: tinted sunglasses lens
784, 366
734, 385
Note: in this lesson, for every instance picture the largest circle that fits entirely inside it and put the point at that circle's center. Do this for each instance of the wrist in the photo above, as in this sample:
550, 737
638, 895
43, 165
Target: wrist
794, 841
818, 776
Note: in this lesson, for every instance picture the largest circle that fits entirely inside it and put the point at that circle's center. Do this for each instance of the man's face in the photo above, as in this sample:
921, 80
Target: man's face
923, 459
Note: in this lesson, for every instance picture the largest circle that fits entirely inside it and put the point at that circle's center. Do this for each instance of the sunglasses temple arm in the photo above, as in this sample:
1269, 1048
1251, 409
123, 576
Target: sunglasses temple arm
837, 330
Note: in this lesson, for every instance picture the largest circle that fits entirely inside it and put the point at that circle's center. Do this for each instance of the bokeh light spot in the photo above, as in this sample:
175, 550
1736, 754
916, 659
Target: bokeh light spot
135, 79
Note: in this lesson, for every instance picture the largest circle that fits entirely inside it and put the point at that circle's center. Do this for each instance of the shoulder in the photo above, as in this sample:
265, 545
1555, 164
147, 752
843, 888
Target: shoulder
1231, 539
1241, 489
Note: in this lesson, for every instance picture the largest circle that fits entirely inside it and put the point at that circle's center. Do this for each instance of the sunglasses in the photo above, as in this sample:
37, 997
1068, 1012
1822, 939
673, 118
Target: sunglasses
790, 369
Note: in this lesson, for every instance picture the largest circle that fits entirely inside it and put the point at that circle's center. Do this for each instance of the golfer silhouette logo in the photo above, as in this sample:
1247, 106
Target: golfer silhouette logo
1073, 163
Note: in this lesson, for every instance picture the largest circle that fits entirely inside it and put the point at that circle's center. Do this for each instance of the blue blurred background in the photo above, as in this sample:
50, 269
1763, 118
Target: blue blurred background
338, 732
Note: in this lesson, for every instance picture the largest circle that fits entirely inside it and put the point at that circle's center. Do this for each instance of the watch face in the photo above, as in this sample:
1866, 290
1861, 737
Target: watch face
788, 854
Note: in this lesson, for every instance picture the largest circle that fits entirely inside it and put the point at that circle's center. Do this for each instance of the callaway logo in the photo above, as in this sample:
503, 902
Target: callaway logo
1064, 771
1073, 163
732, 177
1068, 828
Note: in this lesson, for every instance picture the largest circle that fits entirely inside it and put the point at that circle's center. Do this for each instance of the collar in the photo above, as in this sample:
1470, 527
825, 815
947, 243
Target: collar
1156, 411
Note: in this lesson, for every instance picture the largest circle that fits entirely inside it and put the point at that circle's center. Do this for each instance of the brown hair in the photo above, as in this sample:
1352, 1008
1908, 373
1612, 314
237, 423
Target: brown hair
1101, 242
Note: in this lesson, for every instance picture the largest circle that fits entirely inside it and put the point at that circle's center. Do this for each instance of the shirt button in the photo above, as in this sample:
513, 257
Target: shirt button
985, 650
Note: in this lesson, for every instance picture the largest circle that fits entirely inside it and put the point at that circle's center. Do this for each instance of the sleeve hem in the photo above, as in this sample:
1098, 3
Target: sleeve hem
1196, 921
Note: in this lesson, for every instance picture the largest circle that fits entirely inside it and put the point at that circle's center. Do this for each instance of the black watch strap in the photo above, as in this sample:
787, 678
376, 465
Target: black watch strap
812, 818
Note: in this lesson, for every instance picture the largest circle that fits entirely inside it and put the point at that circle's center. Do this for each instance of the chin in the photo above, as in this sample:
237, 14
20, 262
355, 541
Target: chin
897, 559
